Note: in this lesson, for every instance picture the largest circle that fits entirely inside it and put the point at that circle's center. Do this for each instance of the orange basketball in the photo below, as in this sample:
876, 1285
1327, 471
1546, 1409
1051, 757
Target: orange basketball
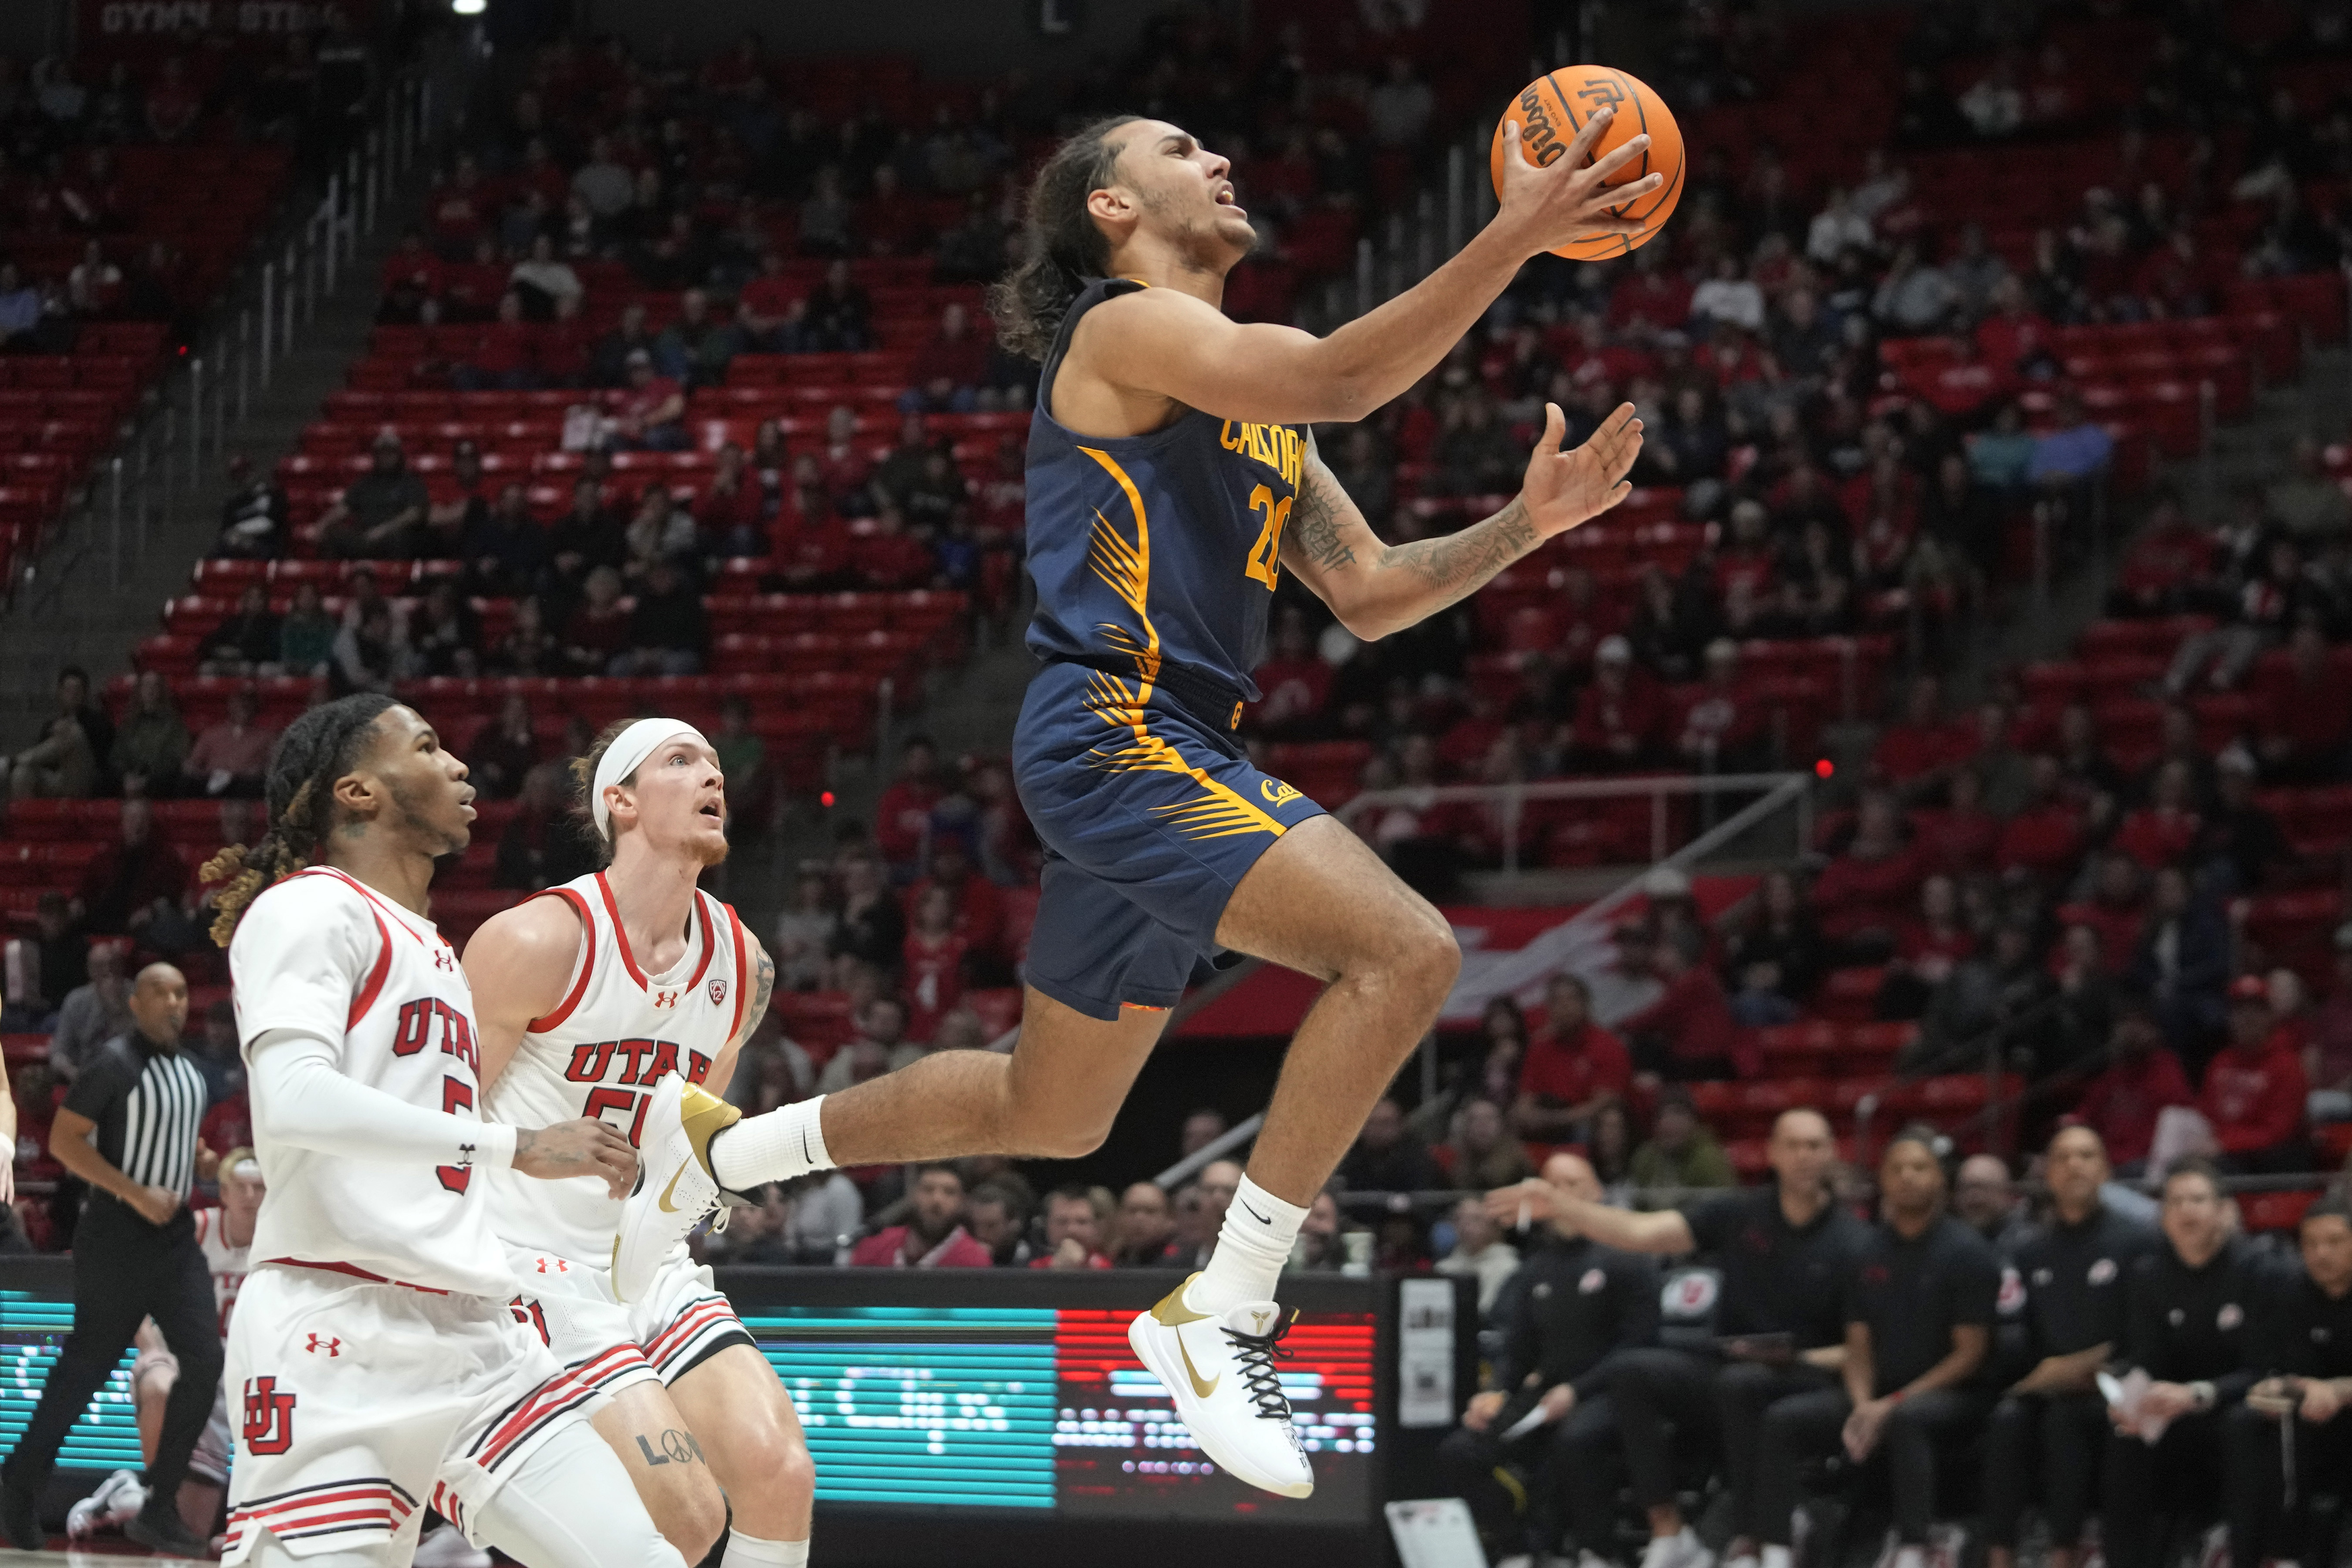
1551, 110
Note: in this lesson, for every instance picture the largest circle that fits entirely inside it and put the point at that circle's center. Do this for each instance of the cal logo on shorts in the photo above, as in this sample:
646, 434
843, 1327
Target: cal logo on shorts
1277, 793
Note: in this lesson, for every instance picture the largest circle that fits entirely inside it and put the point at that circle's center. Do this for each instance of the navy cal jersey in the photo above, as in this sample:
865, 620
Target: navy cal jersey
1160, 547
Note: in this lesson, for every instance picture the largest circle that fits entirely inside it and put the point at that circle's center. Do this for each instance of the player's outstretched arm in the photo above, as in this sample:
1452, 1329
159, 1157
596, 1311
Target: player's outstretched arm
1376, 588
1165, 344
518, 963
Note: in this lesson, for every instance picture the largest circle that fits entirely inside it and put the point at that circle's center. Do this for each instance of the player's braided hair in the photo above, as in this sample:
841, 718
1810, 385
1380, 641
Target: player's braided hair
1062, 247
315, 749
583, 788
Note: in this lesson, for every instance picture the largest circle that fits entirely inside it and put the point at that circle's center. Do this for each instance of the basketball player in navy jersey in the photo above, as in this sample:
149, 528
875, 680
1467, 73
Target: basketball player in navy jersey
1172, 480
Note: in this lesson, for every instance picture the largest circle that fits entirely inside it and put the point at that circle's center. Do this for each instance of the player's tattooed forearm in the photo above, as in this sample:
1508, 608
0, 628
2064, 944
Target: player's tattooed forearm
764, 986
1314, 522
1461, 563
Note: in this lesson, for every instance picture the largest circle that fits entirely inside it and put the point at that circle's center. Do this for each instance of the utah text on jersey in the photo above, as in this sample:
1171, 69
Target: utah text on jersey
624, 1069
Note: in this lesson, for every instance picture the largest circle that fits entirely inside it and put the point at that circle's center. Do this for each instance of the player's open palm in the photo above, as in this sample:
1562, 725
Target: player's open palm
583, 1147
1557, 203
1564, 489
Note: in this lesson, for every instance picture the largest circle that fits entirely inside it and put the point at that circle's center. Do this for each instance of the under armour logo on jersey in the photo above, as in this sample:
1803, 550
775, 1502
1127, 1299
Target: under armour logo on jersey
329, 1346
268, 1417
665, 998
445, 960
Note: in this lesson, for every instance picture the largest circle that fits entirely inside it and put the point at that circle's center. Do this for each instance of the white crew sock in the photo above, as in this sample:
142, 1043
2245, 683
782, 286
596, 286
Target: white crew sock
787, 1141
1775, 1557
750, 1552
1252, 1246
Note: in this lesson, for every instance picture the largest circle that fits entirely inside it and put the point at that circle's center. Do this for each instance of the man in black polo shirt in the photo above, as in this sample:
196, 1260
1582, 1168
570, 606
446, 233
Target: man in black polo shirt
1571, 1314
1918, 1327
2053, 1424
2188, 1307
1785, 1252
2307, 1329
128, 1128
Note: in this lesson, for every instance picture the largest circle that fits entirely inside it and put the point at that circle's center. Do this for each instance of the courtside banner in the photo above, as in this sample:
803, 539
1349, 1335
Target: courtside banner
102, 23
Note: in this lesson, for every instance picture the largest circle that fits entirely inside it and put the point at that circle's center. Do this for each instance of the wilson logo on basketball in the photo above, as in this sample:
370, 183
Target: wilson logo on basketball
268, 1417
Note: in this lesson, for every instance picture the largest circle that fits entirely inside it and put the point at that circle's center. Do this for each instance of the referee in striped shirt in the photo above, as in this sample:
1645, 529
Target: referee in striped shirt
128, 1128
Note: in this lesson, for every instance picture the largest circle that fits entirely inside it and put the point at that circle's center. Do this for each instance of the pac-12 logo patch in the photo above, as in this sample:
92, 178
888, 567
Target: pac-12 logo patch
1277, 793
268, 1417
717, 993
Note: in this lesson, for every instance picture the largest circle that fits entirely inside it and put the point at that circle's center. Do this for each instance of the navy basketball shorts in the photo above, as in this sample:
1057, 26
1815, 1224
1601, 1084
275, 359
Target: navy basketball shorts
1150, 814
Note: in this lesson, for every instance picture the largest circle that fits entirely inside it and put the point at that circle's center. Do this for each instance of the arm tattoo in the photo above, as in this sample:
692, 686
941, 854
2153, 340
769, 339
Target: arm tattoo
1314, 522
764, 986
1460, 565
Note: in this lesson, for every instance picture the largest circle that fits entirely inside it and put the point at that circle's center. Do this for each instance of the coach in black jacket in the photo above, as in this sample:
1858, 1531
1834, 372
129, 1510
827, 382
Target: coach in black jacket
1572, 1309
2306, 1339
2188, 1323
2051, 1425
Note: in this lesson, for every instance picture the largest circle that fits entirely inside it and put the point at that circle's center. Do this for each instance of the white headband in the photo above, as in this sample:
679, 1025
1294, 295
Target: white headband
246, 1170
632, 746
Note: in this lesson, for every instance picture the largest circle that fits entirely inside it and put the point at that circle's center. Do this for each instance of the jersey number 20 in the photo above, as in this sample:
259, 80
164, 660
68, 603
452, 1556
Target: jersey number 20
1266, 556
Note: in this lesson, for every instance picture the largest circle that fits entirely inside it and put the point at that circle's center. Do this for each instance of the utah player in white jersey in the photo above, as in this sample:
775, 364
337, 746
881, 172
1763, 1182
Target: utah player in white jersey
591, 996
225, 1235
381, 1359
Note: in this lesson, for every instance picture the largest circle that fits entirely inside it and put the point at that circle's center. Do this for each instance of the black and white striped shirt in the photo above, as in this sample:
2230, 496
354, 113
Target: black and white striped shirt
148, 1104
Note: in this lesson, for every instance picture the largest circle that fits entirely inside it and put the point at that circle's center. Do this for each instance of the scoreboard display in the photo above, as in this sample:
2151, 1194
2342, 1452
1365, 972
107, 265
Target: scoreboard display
1000, 1395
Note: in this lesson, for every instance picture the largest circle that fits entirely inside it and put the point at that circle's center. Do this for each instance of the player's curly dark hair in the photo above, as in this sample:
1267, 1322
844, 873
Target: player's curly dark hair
315, 749
583, 788
1063, 246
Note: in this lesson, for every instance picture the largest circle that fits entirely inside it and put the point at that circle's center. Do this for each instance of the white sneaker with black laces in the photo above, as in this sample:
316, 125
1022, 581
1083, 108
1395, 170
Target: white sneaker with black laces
1219, 1369
115, 1503
675, 1184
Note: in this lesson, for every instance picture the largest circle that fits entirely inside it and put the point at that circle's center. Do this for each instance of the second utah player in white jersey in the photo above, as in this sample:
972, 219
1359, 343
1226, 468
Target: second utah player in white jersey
590, 996
380, 1358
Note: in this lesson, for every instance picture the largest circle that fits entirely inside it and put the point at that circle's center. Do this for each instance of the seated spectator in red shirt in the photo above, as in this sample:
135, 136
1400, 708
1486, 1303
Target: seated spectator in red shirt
2306, 711
1295, 681
902, 818
1620, 713
2088, 779
1073, 1230
2116, 909
1748, 557
232, 756
2165, 829
932, 964
977, 907
1867, 891
1927, 950
1918, 754
1959, 840
1652, 292
2046, 837
2142, 1077
1723, 728
2254, 1088
457, 209
1571, 1066
884, 555
934, 1237
649, 413
175, 103
2178, 279
946, 373
1688, 1034
505, 354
